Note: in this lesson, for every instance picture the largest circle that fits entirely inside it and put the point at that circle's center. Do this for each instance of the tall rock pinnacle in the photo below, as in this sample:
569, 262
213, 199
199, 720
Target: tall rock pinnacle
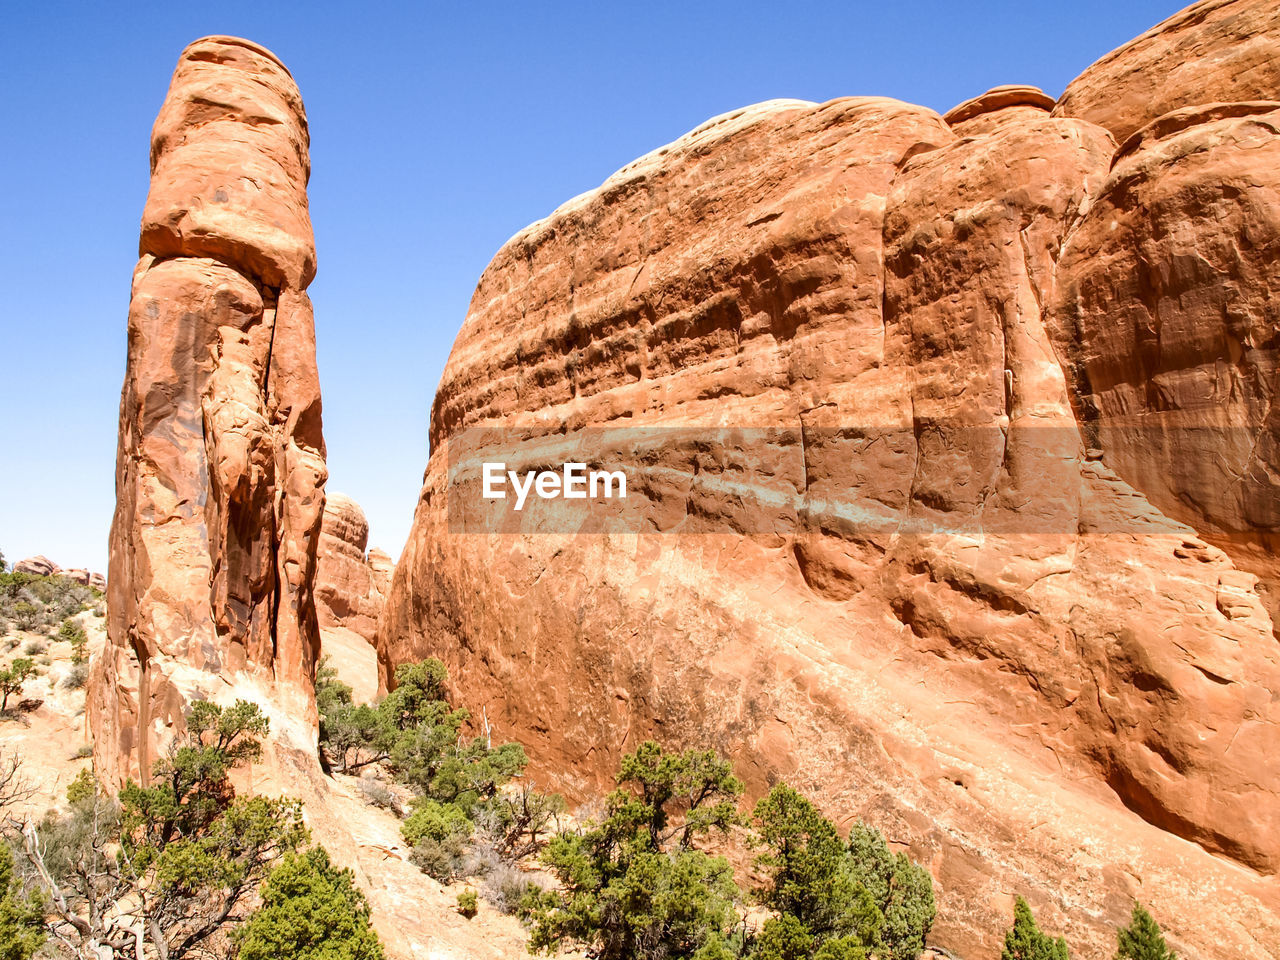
220, 469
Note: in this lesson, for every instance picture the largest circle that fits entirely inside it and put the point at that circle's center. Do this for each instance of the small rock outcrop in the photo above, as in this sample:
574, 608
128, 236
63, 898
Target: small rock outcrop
38, 566
350, 585
952, 454
221, 465
42, 566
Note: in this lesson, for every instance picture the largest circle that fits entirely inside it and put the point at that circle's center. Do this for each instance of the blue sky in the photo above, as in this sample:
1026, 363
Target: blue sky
438, 131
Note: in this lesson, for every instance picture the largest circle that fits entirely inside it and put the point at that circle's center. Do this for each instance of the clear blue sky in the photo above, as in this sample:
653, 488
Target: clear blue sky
437, 132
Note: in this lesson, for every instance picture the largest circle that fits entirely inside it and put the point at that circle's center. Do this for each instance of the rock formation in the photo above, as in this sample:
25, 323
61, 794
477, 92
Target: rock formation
220, 470
38, 566
350, 586
952, 459
350, 589
42, 566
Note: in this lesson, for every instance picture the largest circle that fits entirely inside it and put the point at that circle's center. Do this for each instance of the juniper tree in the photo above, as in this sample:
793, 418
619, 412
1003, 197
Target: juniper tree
1024, 941
310, 910
1142, 939
633, 886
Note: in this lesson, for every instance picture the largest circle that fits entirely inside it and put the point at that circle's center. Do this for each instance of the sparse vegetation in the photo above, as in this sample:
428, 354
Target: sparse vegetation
463, 820
36, 603
76, 677
174, 869
71, 632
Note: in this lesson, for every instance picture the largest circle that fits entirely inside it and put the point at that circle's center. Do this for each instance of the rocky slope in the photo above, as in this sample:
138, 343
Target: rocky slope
952, 481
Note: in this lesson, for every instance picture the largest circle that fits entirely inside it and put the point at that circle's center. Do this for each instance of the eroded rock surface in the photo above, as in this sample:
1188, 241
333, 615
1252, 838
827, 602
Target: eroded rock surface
350, 585
220, 470
951, 491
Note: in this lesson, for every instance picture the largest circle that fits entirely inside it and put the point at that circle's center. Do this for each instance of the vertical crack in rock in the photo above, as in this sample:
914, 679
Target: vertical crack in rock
220, 469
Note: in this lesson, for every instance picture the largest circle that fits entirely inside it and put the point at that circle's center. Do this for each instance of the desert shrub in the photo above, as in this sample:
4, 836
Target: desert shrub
34, 602
1024, 941
1142, 939
811, 878
378, 794
82, 788
35, 647
433, 820
22, 930
901, 890
76, 677
443, 860
468, 904
519, 823
634, 885
310, 911
26, 614
183, 856
74, 634
508, 888
12, 679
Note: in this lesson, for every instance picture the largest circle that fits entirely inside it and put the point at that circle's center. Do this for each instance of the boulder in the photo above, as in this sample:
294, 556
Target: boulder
39, 566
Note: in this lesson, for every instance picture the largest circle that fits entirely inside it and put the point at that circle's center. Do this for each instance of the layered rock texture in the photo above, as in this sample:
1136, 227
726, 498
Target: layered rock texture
350, 588
220, 471
952, 482
350, 584
42, 566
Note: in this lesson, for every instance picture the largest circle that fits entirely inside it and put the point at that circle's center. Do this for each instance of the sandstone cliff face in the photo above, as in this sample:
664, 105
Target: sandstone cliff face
220, 471
952, 462
350, 589
350, 586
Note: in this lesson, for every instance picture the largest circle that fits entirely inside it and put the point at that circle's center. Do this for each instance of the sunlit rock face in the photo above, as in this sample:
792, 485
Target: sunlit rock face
350, 583
220, 471
952, 482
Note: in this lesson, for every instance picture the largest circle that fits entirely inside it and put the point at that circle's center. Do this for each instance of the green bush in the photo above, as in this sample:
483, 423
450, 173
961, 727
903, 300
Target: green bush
1024, 941
1142, 939
468, 905
432, 820
811, 875
12, 679
901, 890
22, 930
183, 856
634, 885
310, 911
72, 633
856, 897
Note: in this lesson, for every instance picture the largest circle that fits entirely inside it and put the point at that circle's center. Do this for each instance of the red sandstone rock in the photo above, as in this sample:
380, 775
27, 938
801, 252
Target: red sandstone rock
220, 473
39, 566
1215, 51
934, 587
349, 587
